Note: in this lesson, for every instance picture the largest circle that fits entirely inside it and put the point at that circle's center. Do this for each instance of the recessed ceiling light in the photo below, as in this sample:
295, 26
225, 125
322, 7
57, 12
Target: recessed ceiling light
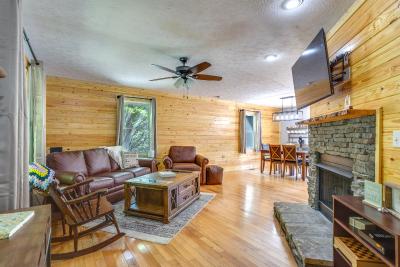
291, 4
271, 58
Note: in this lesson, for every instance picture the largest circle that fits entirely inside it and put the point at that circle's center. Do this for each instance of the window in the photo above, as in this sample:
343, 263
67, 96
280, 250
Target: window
137, 125
250, 130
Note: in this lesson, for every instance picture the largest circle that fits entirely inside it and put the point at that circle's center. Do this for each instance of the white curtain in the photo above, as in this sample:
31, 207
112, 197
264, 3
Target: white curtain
120, 117
242, 133
14, 127
37, 89
257, 132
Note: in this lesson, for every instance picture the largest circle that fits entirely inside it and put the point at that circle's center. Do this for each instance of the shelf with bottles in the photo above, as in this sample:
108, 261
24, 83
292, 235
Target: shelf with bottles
297, 130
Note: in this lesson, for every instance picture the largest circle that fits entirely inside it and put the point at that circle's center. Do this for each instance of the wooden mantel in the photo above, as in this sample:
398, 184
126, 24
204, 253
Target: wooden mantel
338, 116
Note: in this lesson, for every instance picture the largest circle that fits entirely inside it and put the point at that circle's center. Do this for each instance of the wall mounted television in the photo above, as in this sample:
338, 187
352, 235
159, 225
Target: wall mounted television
312, 76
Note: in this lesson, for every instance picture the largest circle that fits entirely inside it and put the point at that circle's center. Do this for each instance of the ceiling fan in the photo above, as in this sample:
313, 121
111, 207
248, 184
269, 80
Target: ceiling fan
185, 74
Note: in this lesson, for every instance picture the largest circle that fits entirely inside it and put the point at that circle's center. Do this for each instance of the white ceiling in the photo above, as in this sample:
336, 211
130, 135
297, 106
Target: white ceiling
116, 41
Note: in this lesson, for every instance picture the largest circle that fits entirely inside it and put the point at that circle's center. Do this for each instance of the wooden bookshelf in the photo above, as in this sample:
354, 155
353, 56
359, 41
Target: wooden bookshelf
347, 206
338, 116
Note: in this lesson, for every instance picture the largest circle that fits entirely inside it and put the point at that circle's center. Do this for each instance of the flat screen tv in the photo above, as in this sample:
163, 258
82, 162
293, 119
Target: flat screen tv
311, 73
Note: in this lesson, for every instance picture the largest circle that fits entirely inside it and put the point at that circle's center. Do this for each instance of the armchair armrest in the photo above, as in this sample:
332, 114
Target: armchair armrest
69, 178
150, 163
201, 161
167, 162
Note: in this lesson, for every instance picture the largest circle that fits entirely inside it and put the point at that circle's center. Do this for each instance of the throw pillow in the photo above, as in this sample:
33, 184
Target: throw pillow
40, 176
115, 153
130, 159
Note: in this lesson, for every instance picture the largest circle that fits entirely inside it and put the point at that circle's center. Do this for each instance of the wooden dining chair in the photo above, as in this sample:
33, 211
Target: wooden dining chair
264, 156
275, 155
289, 159
80, 207
300, 162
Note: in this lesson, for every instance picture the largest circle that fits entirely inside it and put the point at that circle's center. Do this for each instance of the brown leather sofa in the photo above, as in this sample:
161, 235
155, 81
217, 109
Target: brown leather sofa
75, 166
185, 158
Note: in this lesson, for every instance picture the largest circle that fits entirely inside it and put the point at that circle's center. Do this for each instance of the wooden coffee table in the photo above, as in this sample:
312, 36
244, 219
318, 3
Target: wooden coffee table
152, 196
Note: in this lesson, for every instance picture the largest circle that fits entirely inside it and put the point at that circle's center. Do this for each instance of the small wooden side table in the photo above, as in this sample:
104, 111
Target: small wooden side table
30, 245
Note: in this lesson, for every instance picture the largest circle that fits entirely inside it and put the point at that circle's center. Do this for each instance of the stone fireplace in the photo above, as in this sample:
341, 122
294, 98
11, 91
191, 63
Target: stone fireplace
342, 156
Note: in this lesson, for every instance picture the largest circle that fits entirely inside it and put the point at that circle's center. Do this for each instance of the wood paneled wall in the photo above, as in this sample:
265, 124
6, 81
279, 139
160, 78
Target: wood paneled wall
371, 30
82, 115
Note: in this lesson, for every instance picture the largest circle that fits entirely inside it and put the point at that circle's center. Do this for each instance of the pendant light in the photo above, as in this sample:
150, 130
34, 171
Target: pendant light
288, 114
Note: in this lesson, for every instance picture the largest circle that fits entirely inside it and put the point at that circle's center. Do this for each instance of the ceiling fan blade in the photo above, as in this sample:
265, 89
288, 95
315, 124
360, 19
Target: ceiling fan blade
207, 77
164, 68
172, 77
200, 67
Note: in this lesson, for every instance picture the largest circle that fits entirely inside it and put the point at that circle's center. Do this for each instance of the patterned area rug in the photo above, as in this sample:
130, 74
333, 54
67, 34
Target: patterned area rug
152, 230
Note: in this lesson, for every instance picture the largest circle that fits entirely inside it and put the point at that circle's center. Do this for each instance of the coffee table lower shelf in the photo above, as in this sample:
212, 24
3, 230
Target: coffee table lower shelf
155, 212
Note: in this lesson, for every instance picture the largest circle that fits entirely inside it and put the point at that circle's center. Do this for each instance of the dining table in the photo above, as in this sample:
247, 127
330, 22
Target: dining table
301, 153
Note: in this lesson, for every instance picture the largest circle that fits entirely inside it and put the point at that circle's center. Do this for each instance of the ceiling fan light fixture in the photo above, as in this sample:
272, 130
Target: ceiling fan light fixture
291, 4
271, 58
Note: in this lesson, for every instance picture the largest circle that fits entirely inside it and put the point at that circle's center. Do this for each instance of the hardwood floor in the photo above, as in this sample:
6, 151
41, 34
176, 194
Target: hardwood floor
236, 228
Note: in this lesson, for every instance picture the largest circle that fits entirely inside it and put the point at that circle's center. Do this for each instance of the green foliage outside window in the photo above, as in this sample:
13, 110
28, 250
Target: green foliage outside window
138, 130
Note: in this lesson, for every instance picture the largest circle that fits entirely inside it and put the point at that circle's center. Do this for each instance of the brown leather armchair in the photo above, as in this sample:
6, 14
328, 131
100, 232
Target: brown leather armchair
185, 158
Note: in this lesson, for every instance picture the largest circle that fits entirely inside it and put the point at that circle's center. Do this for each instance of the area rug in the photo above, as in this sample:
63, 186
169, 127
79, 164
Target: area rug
152, 230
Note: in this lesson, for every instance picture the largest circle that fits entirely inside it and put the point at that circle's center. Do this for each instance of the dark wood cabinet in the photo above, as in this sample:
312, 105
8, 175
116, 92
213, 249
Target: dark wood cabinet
347, 206
30, 245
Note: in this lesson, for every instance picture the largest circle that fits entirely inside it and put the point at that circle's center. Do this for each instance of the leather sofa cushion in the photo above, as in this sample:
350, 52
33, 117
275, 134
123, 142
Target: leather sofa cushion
70, 161
138, 171
97, 161
182, 154
186, 166
119, 177
100, 183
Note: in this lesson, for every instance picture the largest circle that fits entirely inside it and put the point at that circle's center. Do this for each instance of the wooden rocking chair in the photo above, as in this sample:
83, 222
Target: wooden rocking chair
78, 208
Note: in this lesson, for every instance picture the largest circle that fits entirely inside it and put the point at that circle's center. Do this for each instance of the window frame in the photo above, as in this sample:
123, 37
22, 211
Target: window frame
153, 120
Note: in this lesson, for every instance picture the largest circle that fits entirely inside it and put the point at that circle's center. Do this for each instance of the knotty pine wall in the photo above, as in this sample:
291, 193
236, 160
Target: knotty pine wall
82, 115
371, 29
